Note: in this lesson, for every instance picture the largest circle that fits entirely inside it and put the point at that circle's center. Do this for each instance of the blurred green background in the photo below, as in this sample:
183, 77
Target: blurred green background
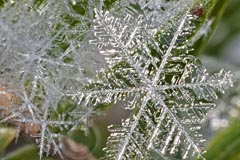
224, 51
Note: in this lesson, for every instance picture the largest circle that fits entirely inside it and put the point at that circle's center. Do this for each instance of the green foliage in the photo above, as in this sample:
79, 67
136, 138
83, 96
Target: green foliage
227, 28
7, 134
225, 144
212, 13
29, 152
94, 140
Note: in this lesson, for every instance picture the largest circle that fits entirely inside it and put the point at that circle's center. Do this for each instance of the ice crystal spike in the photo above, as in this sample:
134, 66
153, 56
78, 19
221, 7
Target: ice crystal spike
43, 61
171, 92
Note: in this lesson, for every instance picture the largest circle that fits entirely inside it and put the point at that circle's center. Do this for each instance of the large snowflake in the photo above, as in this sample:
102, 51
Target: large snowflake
169, 90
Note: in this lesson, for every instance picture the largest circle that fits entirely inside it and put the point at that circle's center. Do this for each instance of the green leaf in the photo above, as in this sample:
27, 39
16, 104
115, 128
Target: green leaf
29, 152
211, 15
227, 30
7, 134
225, 145
94, 140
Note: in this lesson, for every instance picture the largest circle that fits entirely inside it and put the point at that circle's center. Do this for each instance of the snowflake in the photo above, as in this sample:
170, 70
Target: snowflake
170, 91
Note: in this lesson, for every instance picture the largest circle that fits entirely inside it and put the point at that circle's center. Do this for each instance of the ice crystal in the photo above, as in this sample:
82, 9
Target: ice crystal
228, 105
43, 60
48, 60
170, 90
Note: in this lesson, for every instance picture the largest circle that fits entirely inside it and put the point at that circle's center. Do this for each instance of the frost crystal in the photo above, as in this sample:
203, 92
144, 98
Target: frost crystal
47, 67
43, 61
170, 90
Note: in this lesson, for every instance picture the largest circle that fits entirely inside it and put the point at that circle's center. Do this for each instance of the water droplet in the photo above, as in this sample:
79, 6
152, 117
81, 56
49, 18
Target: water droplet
4, 39
74, 2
